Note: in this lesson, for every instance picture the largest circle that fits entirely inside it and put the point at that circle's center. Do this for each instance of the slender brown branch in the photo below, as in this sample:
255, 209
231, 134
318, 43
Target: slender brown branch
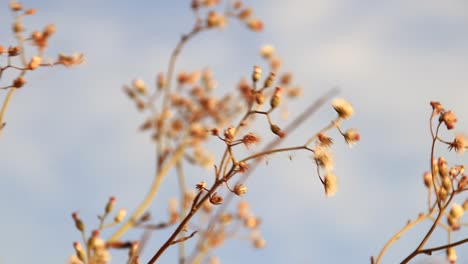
429, 251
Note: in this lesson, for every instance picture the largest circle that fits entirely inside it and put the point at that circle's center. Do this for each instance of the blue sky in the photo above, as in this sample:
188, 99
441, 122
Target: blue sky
72, 141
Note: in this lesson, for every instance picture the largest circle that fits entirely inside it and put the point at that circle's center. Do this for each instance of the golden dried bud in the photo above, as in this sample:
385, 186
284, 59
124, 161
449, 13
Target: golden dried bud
14, 51
343, 108
276, 98
35, 62
427, 179
256, 75
18, 27
31, 11
277, 130
49, 30
240, 189
259, 98
269, 81
120, 216
78, 223
110, 205
15, 6
447, 183
259, 243
139, 86
161, 80
456, 211
80, 253
451, 255
216, 199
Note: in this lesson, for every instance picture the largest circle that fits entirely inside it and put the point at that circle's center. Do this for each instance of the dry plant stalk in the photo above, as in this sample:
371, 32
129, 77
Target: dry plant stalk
182, 119
17, 61
445, 186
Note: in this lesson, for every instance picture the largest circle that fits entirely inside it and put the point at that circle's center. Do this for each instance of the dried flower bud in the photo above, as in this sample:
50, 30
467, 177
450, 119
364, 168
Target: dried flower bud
275, 63
255, 24
276, 98
31, 11
259, 243
449, 119
252, 222
351, 136
210, 3
442, 167
34, 62
19, 82
267, 51
120, 216
245, 13
93, 239
200, 186
242, 166
15, 6
324, 141
330, 185
277, 130
442, 194
229, 133
78, 223
451, 255
110, 205
215, 20
225, 218
240, 189
427, 179
437, 107
447, 183
259, 98
70, 60
343, 108
80, 253
270, 79
456, 211
14, 51
256, 75
323, 157
161, 80
463, 182
49, 30
2, 50
18, 27
139, 86
216, 199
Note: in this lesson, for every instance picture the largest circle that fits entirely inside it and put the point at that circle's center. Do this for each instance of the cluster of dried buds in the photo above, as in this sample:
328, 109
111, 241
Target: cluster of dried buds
96, 249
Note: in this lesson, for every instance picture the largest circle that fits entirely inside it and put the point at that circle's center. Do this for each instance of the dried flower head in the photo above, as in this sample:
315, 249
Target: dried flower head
324, 141
215, 19
250, 139
15, 6
277, 130
242, 167
19, 82
449, 119
110, 205
34, 62
200, 186
257, 73
80, 253
229, 133
120, 215
259, 243
255, 24
161, 80
70, 60
437, 107
456, 211
14, 51
351, 136
427, 179
267, 51
451, 255
330, 184
139, 86
459, 144
323, 157
343, 108
240, 189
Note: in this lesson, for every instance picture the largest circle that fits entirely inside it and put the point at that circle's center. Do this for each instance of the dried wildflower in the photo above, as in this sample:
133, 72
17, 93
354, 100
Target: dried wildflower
286, 78
120, 215
323, 157
139, 86
267, 51
14, 51
200, 186
442, 167
255, 24
101, 254
460, 143
242, 167
330, 185
18, 27
70, 60
343, 108
276, 98
351, 136
324, 141
250, 139
31, 11
456, 211
451, 255
437, 107
34, 62
19, 82
252, 222
229, 133
214, 19
256, 74
216, 199
110, 205
245, 13
447, 183
277, 130
270, 79
463, 182
240, 189
427, 179
15, 6
49, 30
259, 98
259, 243
2, 50
449, 119
80, 253
78, 223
